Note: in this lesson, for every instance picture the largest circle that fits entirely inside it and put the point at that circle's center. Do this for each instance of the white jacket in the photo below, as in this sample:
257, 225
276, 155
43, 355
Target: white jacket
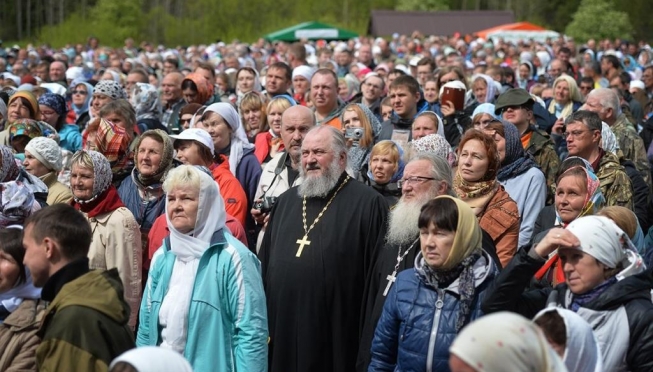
117, 243
272, 186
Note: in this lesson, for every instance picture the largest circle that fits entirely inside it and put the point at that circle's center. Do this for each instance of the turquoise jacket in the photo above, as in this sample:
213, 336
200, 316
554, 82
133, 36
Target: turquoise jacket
227, 318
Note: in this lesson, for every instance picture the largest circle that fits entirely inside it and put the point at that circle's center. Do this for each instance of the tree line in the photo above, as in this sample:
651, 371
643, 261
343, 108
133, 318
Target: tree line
184, 22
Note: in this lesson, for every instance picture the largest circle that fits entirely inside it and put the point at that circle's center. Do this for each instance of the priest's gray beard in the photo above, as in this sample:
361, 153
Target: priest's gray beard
319, 186
404, 217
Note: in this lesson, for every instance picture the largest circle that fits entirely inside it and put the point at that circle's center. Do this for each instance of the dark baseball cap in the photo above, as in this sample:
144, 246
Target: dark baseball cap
513, 97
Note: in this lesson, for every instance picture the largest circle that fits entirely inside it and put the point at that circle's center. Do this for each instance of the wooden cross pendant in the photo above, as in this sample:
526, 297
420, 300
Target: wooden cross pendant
302, 242
391, 279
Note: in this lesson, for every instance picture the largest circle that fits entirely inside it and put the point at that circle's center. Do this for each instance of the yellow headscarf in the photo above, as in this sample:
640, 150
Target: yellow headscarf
468, 237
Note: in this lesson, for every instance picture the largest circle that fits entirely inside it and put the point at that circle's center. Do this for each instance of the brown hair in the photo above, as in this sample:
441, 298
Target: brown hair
368, 136
490, 149
553, 326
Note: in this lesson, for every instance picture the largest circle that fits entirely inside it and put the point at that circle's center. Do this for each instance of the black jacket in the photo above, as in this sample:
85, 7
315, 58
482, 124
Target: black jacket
641, 194
507, 293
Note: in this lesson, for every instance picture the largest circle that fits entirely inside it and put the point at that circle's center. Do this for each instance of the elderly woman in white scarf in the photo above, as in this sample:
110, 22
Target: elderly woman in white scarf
606, 283
503, 342
202, 278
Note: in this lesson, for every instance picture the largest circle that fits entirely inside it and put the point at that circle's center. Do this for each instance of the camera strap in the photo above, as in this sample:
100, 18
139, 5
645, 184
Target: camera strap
277, 171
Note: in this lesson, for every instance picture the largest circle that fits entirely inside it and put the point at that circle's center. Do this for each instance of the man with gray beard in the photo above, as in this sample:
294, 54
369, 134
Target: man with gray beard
425, 177
320, 244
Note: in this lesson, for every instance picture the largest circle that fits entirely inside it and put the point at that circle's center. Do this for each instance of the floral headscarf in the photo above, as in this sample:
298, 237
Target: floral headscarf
24, 127
101, 173
146, 102
15, 204
9, 170
594, 200
204, 88
435, 144
55, 102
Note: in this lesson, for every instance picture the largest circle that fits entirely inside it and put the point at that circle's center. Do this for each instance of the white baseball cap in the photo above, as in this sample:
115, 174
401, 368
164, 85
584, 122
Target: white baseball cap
196, 134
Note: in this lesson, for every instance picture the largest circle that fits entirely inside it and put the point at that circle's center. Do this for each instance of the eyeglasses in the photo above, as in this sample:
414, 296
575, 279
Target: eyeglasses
413, 180
80, 92
483, 123
575, 133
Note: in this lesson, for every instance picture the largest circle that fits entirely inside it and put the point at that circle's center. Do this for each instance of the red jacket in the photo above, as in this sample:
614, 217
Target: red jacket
160, 231
263, 144
235, 199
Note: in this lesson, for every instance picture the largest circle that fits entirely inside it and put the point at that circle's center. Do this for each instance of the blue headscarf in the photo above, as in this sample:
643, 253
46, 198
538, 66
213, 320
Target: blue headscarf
79, 110
55, 102
516, 161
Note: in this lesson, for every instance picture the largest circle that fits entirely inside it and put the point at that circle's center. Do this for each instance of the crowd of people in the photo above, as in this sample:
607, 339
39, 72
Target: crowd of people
420, 203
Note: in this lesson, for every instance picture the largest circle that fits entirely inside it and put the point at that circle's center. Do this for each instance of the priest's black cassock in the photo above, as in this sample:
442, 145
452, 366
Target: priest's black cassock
377, 282
315, 301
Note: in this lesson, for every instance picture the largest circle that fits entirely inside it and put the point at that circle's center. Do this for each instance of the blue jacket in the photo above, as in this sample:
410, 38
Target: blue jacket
418, 324
227, 318
70, 138
144, 213
248, 173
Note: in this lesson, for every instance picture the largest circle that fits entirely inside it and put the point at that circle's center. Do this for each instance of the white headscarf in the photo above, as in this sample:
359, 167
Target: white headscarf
153, 359
490, 91
582, 352
505, 342
602, 239
188, 248
239, 139
608, 139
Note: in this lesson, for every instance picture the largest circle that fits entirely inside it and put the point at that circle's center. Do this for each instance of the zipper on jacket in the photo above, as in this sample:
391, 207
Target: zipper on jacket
439, 303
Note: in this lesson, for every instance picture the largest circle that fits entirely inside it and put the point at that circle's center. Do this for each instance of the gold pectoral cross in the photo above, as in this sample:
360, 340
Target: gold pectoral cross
302, 242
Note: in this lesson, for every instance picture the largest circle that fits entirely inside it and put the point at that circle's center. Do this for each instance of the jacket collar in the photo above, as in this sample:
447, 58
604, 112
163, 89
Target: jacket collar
65, 275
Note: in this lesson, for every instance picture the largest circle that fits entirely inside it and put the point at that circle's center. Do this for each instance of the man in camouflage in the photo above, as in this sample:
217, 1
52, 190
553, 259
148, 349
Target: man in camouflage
605, 103
516, 107
583, 132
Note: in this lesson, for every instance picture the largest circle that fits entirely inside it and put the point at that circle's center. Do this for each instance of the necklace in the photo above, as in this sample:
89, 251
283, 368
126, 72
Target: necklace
304, 241
400, 257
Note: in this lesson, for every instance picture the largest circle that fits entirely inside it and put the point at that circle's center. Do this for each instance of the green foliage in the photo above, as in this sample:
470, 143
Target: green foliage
598, 19
422, 5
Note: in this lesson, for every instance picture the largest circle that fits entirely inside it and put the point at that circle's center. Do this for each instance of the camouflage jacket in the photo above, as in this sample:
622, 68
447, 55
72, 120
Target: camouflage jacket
615, 184
632, 146
542, 148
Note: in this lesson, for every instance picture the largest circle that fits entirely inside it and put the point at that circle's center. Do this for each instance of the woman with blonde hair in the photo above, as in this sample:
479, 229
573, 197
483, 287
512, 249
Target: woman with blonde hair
384, 169
268, 144
252, 109
566, 97
627, 221
354, 116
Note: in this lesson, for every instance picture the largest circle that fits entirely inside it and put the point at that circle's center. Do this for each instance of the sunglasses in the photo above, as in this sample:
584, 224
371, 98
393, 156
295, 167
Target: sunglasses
81, 92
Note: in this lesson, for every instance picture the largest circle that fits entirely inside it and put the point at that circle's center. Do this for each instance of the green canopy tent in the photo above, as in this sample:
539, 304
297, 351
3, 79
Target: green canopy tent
311, 31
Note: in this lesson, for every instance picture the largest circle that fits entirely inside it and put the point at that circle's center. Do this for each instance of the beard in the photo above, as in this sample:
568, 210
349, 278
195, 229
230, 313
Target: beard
402, 228
318, 186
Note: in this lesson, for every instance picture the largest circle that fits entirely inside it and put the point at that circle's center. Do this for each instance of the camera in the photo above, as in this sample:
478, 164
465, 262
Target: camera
265, 205
354, 133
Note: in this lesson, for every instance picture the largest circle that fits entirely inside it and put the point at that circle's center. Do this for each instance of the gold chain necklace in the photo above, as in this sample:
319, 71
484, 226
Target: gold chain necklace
304, 241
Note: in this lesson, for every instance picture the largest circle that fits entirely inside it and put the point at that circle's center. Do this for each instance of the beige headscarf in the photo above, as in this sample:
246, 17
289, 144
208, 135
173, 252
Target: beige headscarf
505, 342
468, 237
574, 96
